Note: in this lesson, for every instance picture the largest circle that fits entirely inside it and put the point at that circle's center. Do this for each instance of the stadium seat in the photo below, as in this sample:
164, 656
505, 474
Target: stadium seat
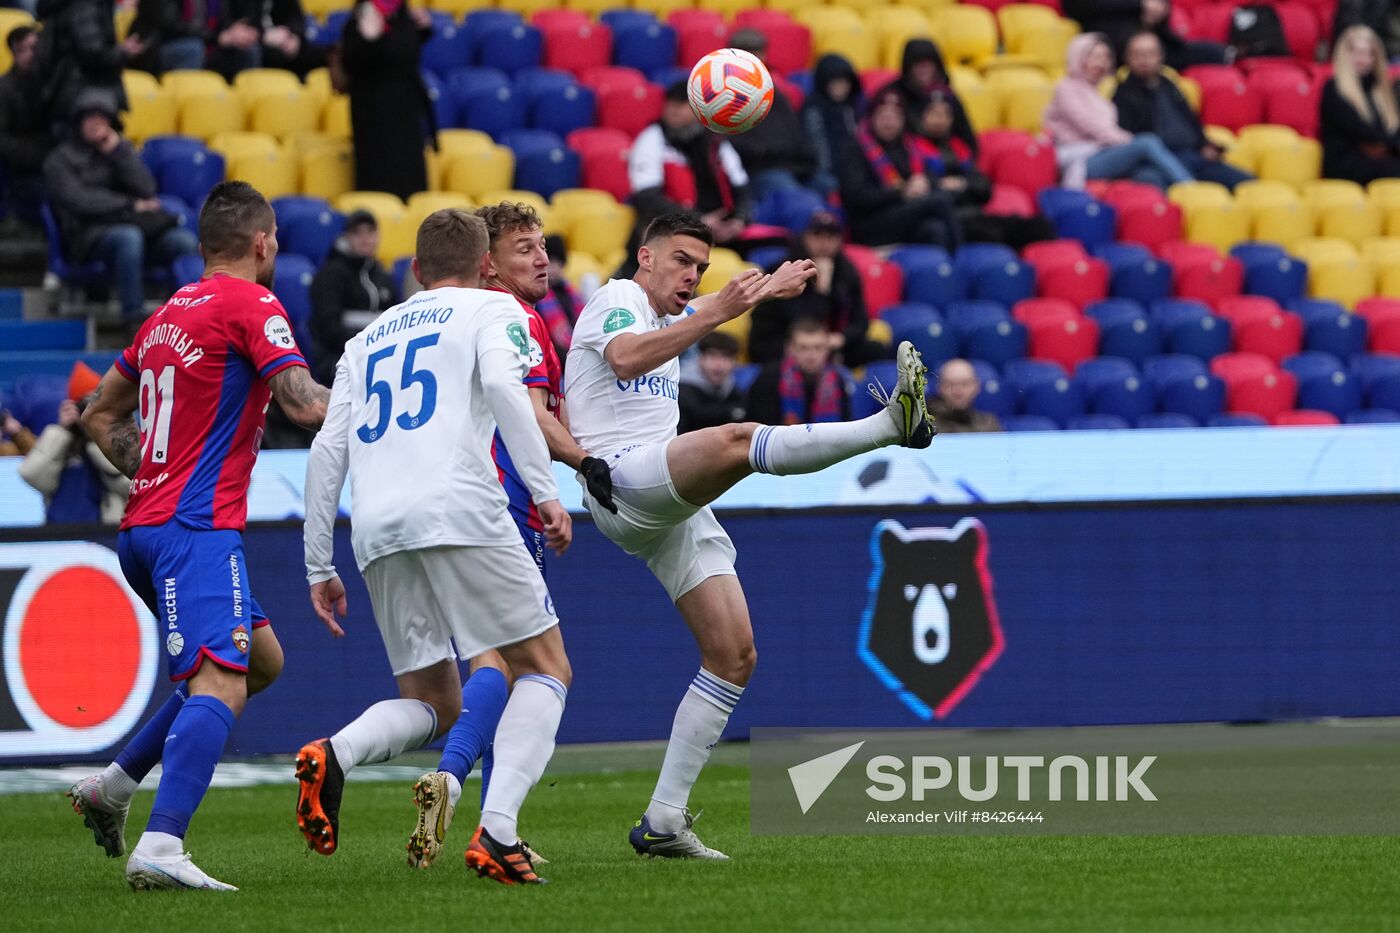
1104, 369
789, 46
1276, 337
479, 173
1059, 399
1194, 194
792, 208
1128, 397
1053, 252
881, 280
1113, 310
938, 283
1308, 364
909, 314
274, 173
1135, 339
205, 115
1030, 166
152, 112
190, 174
385, 207
1293, 104
1091, 223
697, 37
1081, 282
292, 286
935, 341
1032, 311
577, 48
1355, 223
966, 33
449, 47
995, 342
1303, 418
1203, 337
188, 83
1281, 279
1166, 420
1230, 102
1005, 282
1373, 416
187, 268
1150, 224
335, 117
491, 110
510, 48
1169, 367
1345, 281
1200, 396
629, 109
1142, 280
646, 47
1341, 333
1209, 281
1067, 342
1220, 225
1295, 164
465, 81
1239, 309
1103, 421
1384, 335
328, 172
307, 226
1266, 395
966, 314
1236, 420
563, 110
237, 144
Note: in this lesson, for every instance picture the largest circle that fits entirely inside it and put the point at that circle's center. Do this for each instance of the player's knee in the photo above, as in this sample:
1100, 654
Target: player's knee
745, 662
734, 664
265, 667
739, 436
447, 712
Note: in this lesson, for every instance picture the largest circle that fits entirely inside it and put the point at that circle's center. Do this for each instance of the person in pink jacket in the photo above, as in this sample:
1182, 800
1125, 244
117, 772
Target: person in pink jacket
1083, 124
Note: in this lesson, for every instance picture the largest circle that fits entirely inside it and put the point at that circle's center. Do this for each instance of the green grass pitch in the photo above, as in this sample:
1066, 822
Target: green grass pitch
53, 878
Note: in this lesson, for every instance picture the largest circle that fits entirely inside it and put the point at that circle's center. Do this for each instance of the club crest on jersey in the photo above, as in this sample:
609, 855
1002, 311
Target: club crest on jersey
517, 336
278, 332
240, 639
536, 354
174, 644
617, 319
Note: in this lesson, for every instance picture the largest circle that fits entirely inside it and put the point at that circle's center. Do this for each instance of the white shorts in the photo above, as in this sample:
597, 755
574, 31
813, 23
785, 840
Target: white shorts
683, 544
478, 597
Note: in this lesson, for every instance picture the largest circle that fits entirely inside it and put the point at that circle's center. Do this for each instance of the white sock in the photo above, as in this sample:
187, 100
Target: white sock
385, 730
117, 785
700, 720
159, 845
454, 788
524, 744
808, 448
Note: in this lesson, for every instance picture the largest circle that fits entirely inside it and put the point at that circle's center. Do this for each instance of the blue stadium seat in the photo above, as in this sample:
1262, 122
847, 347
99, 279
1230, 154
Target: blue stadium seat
157, 149
189, 268
1251, 251
21, 364
464, 81
563, 110
1384, 392
1200, 396
995, 396
492, 110
70, 334
1024, 373
444, 107
479, 22
35, 397
1092, 223
1167, 419
532, 82
1059, 399
1310, 308
935, 341
403, 273
187, 216
1135, 339
1204, 337
665, 77
189, 174
1115, 253
311, 233
996, 342
1103, 369
770, 257
1371, 367
1308, 364
879, 372
909, 314
972, 257
450, 46
69, 271
1334, 392
1144, 280
1097, 421
1129, 398
791, 208
1005, 282
1283, 280
334, 27
745, 374
526, 142
908, 257
1159, 370
510, 48
939, 284
1114, 310
1373, 416
11, 304
292, 286
1170, 312
1338, 332
1235, 420
622, 18
1019, 423
1053, 200
546, 171
965, 315
647, 48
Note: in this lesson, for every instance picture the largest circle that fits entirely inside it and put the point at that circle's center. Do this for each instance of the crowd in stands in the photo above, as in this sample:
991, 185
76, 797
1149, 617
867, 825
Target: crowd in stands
1090, 186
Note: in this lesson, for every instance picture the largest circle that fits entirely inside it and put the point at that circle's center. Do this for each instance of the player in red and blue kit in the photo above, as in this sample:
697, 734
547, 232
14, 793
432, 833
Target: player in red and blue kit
198, 379
516, 263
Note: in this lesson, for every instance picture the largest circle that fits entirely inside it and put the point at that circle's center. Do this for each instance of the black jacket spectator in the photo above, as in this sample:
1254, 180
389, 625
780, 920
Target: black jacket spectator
348, 290
281, 28
917, 80
160, 22
1356, 145
709, 395
1119, 19
777, 143
25, 138
78, 49
388, 102
829, 115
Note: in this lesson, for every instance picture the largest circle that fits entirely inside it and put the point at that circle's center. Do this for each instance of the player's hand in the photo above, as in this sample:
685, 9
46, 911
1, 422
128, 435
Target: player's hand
598, 477
328, 600
67, 414
789, 279
558, 526
740, 293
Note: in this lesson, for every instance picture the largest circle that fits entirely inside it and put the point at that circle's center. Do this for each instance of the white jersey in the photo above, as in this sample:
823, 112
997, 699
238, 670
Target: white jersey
606, 413
417, 398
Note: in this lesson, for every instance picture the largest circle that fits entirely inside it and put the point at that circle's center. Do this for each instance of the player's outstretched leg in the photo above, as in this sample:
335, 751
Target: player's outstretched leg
437, 793
192, 750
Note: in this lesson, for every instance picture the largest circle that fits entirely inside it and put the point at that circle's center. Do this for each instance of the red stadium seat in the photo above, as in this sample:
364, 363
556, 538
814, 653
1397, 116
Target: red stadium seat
882, 280
1178, 252
1303, 417
592, 139
992, 143
1033, 311
789, 46
1209, 281
1234, 367
698, 38
606, 170
1032, 168
1374, 310
1277, 337
1266, 395
1068, 342
1211, 22
1294, 105
791, 91
1081, 282
630, 109
559, 17
1385, 335
610, 77
1052, 252
688, 18
576, 49
1152, 224
1243, 309
1009, 201
1232, 104
1300, 28
1124, 194
872, 79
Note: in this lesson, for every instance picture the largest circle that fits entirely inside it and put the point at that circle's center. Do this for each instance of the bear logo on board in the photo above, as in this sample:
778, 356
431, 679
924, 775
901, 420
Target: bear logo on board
931, 629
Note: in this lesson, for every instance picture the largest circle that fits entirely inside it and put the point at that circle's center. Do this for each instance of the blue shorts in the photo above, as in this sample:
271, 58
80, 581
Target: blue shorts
196, 584
534, 541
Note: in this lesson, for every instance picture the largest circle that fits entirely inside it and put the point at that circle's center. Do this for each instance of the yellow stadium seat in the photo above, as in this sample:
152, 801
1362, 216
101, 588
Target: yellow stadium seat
1326, 193
453, 142
385, 207
516, 196
1345, 281
136, 82
1222, 225
335, 117
299, 144
152, 113
1388, 280
185, 84
601, 229
728, 8
10, 19
739, 329
1006, 72
1296, 165
320, 8
1221, 137
397, 238
661, 8
1266, 135
1254, 195
1384, 193
1049, 46
1024, 106
238, 144
327, 172
252, 83
880, 332
961, 75
894, 25
965, 33
1191, 90
567, 204
1355, 223
1392, 222
207, 115
857, 43
1284, 224
584, 271
1381, 251
479, 173
122, 18
817, 17
423, 203
1019, 20
274, 173
1191, 194
318, 82
724, 265
1324, 249
285, 113
983, 105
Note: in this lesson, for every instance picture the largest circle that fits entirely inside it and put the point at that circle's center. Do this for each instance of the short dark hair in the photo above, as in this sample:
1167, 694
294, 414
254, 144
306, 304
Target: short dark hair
719, 342
508, 217
1138, 35
233, 212
451, 244
679, 223
677, 92
806, 325
17, 35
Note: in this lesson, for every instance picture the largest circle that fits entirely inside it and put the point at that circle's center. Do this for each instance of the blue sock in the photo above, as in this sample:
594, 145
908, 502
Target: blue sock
192, 749
146, 747
483, 700
488, 761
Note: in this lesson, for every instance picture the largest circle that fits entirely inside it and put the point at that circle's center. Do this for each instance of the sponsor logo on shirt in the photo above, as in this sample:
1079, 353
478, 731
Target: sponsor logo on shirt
278, 332
617, 319
650, 385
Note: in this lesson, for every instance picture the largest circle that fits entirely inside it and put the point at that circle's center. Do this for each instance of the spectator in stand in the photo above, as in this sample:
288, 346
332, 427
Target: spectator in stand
77, 482
776, 154
15, 439
835, 298
885, 185
1149, 102
389, 108
78, 50
1360, 128
805, 386
104, 198
1120, 19
173, 32
350, 289
263, 34
830, 115
709, 396
958, 387
25, 138
1089, 143
561, 305
1382, 16
922, 73
951, 162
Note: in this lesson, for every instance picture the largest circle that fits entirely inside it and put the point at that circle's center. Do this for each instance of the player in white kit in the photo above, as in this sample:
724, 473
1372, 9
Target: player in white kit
417, 397
621, 380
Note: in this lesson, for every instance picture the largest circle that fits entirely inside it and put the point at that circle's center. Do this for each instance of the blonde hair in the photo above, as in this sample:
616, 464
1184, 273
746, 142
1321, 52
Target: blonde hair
1349, 82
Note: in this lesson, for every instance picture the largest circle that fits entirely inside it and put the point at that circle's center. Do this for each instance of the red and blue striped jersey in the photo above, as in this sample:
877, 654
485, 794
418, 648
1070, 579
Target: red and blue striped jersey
546, 373
202, 363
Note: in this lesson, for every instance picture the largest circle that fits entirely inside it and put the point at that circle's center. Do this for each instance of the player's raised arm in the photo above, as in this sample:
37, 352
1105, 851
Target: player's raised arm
326, 466
109, 421
301, 398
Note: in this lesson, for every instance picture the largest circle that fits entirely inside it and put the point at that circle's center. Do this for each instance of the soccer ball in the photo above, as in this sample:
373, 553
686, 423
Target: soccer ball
730, 91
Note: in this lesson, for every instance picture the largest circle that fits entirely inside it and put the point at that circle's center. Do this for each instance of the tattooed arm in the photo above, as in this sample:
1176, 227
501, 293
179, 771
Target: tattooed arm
302, 398
109, 421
